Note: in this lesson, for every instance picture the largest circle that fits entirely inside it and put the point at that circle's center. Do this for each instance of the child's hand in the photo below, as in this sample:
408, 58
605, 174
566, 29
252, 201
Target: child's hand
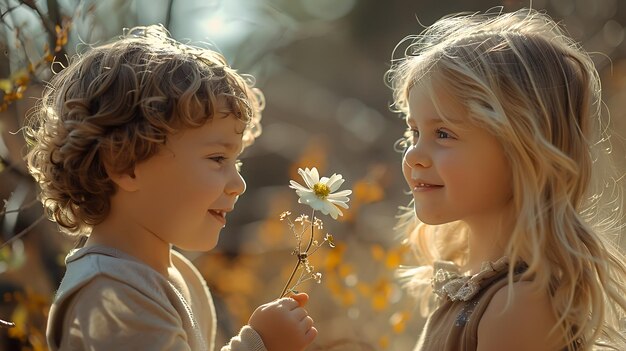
284, 324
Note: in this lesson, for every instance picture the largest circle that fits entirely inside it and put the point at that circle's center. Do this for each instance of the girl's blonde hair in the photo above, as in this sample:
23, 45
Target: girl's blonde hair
115, 106
522, 78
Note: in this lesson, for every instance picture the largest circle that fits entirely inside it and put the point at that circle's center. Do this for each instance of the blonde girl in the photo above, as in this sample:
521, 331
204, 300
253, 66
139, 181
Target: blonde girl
504, 158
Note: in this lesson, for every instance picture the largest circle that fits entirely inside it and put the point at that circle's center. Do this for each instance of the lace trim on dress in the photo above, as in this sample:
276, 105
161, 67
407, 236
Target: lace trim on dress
449, 283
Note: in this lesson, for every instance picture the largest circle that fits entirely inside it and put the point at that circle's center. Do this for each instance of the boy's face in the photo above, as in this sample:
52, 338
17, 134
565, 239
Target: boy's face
186, 190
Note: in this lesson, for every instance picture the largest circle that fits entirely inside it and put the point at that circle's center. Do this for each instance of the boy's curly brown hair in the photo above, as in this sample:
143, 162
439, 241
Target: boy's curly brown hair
114, 106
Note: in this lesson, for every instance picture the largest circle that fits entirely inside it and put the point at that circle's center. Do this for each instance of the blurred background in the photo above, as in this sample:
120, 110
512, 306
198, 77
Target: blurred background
320, 64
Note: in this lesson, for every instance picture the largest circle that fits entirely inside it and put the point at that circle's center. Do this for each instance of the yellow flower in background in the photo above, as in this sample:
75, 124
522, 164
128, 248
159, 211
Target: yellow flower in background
321, 194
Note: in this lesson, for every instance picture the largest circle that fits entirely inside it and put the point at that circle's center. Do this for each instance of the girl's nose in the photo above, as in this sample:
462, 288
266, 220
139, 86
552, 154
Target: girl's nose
416, 156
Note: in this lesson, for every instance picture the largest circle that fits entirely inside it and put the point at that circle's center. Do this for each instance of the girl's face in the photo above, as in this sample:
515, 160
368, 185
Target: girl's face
456, 171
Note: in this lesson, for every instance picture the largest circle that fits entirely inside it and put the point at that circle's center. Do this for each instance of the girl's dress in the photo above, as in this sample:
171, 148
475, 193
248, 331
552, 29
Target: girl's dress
453, 326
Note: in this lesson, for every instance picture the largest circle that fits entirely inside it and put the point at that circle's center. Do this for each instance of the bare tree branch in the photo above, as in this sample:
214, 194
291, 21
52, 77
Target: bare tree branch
47, 23
23, 207
168, 15
23, 232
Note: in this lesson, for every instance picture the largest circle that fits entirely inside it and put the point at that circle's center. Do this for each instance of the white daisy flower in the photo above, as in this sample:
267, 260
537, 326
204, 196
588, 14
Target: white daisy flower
320, 193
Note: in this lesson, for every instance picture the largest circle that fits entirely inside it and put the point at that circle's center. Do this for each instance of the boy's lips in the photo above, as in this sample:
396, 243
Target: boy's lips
220, 214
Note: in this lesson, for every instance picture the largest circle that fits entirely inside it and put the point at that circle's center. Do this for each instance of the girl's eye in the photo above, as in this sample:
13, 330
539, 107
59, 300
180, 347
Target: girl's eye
412, 135
442, 134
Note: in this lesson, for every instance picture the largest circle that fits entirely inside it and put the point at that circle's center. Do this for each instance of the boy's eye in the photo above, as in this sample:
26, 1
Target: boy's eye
222, 159
218, 159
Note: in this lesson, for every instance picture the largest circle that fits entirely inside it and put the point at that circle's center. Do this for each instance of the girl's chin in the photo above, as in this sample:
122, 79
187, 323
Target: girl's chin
431, 220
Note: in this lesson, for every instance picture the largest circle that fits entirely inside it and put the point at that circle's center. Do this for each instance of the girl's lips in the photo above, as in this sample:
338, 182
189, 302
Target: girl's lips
420, 186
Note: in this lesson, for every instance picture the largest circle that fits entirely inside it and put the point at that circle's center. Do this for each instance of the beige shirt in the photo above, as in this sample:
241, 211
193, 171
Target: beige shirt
109, 300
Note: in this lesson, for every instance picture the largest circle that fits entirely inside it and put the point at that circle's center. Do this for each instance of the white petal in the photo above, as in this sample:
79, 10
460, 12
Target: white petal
339, 203
336, 197
331, 209
317, 204
342, 193
334, 212
313, 201
304, 201
345, 203
335, 182
329, 205
297, 186
315, 176
307, 196
302, 193
324, 208
306, 175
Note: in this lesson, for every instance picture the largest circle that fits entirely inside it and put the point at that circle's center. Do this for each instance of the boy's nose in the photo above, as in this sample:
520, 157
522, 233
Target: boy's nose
236, 186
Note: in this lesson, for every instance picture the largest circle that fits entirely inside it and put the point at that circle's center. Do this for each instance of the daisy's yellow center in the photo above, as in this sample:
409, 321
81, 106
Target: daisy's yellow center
321, 190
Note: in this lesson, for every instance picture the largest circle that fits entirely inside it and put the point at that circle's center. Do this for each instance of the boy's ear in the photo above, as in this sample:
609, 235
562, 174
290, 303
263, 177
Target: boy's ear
126, 181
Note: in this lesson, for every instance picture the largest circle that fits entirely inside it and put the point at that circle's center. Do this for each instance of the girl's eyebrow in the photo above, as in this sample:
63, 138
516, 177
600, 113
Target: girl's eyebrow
434, 120
411, 122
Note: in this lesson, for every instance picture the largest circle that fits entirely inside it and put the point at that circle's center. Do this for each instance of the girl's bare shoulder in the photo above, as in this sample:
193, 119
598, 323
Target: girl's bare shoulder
523, 323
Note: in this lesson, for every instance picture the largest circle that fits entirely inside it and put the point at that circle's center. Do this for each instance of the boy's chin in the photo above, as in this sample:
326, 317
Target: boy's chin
204, 246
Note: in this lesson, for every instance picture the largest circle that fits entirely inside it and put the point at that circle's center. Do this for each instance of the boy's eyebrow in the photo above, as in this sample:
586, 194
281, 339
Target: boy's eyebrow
224, 113
224, 144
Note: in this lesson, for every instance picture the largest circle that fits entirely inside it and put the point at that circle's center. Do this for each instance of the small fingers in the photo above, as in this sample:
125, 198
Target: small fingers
288, 302
301, 298
307, 323
310, 335
299, 314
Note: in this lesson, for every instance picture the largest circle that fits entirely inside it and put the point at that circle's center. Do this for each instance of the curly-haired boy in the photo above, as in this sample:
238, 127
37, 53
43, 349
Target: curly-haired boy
135, 145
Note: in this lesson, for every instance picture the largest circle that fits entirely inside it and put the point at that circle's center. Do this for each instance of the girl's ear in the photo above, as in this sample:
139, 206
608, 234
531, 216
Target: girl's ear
126, 181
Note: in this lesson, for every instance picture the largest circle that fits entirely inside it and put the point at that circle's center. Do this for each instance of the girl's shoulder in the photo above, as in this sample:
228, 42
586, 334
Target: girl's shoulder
518, 317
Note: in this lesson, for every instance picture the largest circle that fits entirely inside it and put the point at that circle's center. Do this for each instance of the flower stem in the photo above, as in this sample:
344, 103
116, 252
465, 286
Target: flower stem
312, 232
295, 269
